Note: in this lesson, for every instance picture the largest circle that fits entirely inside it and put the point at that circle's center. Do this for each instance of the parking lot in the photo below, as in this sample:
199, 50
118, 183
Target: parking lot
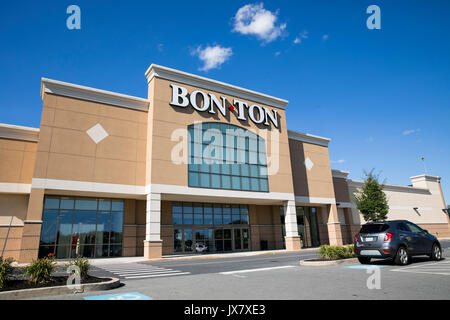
278, 276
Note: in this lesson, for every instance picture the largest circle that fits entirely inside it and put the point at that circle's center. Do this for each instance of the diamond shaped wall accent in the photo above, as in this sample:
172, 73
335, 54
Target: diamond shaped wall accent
309, 164
97, 133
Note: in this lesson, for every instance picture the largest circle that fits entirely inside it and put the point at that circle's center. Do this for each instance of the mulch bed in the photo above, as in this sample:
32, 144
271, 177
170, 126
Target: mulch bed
53, 282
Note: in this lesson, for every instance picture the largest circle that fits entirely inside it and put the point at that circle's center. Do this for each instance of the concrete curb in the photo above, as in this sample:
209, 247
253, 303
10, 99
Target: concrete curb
60, 290
312, 263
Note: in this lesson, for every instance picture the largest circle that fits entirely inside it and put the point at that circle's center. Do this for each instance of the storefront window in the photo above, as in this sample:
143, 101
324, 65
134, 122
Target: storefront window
241, 164
86, 227
208, 227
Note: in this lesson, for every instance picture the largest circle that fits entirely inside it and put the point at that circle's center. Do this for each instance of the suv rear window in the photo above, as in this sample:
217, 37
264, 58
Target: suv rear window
374, 228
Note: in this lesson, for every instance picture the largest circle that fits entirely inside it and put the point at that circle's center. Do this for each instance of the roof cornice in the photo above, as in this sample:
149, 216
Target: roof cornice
9, 131
425, 177
339, 174
309, 138
213, 85
390, 187
92, 94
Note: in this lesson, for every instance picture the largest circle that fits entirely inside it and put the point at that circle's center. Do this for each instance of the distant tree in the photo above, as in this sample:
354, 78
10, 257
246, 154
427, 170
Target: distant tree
371, 199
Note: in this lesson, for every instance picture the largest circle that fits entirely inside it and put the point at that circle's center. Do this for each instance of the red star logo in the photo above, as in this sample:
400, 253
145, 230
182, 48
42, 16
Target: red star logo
231, 107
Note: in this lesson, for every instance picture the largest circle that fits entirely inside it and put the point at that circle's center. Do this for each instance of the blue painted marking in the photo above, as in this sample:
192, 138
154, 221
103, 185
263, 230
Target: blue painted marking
120, 296
363, 266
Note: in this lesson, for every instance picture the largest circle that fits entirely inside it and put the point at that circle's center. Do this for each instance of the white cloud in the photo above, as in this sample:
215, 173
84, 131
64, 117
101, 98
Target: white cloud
276, 54
410, 131
160, 47
212, 57
325, 37
303, 35
340, 161
253, 19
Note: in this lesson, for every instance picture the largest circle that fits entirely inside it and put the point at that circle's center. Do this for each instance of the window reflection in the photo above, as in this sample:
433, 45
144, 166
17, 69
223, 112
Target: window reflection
222, 172
204, 227
86, 227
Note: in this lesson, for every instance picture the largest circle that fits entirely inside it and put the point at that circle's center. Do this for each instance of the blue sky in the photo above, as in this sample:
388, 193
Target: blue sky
382, 96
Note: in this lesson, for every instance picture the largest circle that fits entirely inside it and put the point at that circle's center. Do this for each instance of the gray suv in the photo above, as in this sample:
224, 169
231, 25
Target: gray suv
397, 239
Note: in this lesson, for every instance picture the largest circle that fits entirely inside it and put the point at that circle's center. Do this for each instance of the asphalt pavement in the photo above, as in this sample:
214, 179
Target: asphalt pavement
278, 276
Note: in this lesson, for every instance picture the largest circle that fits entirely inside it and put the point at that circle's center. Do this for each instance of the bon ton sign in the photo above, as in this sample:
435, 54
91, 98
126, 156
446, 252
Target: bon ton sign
210, 103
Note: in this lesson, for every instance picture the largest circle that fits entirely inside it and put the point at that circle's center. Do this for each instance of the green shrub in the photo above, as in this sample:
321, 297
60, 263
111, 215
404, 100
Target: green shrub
5, 269
336, 252
41, 270
83, 264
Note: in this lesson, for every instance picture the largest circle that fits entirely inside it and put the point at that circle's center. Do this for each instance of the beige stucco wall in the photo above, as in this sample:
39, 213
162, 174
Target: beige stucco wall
165, 119
14, 205
17, 160
341, 190
402, 202
66, 152
316, 182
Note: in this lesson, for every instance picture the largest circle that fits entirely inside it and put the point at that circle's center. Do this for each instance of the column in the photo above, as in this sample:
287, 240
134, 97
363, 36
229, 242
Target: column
334, 226
153, 242
31, 234
290, 219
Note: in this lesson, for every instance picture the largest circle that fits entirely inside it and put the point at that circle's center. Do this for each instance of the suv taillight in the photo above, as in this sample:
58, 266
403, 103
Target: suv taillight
356, 238
388, 236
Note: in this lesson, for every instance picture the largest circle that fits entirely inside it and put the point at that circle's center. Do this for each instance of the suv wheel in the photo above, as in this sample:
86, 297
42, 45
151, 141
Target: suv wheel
364, 260
436, 252
402, 257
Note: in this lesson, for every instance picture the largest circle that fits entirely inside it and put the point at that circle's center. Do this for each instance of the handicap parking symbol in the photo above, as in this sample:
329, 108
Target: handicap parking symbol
120, 296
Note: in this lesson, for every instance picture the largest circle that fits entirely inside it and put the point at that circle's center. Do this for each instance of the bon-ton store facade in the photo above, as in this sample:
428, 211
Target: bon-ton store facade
199, 166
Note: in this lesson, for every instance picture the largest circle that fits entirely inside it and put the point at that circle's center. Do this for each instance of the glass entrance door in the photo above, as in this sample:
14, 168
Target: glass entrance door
204, 241
308, 228
301, 225
313, 226
206, 228
241, 239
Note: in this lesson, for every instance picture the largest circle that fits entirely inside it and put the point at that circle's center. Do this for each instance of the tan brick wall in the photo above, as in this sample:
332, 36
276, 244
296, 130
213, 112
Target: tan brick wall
30, 242
166, 227
440, 230
265, 225
13, 242
134, 227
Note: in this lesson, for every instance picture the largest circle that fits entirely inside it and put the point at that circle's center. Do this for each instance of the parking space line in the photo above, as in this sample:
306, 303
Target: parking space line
255, 270
439, 268
131, 269
145, 273
422, 265
159, 275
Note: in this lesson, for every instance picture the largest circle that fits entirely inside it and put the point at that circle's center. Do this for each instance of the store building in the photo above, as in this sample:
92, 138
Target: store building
198, 166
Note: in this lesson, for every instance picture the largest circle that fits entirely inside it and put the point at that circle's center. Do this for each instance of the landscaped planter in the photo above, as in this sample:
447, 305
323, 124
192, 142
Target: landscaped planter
99, 284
